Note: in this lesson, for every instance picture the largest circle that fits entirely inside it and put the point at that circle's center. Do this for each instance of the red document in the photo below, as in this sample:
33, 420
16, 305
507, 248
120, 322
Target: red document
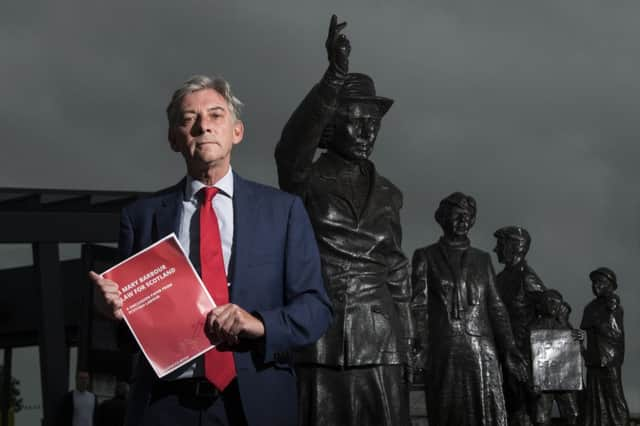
165, 304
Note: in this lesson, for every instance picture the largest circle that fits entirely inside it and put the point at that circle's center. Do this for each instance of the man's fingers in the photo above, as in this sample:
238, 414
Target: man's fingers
234, 325
237, 327
111, 304
104, 284
221, 313
220, 309
231, 322
114, 301
218, 320
212, 330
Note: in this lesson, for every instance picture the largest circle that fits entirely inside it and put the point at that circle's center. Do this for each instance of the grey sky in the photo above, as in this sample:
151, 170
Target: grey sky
530, 107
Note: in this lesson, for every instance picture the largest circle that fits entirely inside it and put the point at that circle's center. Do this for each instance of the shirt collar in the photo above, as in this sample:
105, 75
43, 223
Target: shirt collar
225, 185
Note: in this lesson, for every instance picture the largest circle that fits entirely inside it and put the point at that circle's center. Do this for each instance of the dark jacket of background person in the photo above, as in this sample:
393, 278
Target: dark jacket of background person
111, 412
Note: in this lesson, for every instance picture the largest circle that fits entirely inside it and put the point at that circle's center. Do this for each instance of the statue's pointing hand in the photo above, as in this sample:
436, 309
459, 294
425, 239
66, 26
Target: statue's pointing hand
338, 47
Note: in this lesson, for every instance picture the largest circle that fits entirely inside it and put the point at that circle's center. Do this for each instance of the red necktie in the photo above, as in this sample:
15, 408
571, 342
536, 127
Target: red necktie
219, 367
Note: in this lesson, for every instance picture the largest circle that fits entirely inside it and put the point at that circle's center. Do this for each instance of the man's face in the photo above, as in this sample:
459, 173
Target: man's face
82, 381
356, 130
507, 251
459, 222
206, 130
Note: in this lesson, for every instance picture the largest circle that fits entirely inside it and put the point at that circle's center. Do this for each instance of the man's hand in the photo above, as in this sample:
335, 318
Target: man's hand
227, 323
338, 47
110, 304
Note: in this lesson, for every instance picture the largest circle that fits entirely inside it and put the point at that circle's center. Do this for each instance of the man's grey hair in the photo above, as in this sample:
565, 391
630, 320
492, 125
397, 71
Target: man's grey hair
201, 82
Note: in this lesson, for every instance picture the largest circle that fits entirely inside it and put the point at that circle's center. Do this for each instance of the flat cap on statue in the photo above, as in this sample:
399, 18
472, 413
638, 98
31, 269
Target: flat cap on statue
607, 273
513, 233
357, 88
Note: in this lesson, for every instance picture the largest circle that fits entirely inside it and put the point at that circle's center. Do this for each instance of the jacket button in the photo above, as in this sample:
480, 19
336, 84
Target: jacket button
340, 298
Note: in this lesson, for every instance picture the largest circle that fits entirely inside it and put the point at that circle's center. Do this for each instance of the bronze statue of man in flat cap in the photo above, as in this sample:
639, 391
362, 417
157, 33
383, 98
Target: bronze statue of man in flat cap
354, 374
520, 289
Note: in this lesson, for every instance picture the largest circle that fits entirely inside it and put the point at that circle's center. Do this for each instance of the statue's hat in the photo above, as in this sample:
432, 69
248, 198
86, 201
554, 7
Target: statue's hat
607, 273
360, 88
357, 87
513, 233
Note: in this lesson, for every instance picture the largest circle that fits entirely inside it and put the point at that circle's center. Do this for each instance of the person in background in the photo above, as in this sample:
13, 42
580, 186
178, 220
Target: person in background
79, 405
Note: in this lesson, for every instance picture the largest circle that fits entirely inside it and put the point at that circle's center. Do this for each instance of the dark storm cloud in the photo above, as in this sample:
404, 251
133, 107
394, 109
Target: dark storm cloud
530, 107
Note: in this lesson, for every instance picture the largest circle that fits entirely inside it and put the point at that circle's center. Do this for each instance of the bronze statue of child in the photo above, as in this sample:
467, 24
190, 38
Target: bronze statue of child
553, 315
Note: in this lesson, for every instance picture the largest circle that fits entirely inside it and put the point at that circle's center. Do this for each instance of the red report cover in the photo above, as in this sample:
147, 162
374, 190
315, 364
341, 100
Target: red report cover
165, 304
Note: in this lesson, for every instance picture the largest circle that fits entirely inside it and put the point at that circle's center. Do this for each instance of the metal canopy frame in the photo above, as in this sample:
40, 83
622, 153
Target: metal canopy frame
44, 218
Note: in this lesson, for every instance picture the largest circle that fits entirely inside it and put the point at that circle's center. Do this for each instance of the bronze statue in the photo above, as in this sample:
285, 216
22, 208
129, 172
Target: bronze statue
602, 321
354, 374
469, 334
553, 312
520, 288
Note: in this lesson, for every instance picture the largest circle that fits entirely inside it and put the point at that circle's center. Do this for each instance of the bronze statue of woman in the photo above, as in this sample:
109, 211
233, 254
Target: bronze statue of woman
468, 334
605, 403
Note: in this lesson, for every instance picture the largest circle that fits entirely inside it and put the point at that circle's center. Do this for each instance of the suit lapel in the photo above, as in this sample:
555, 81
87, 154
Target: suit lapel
166, 217
245, 212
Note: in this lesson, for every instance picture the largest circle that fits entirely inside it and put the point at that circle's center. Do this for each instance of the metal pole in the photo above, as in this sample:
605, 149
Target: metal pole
6, 386
54, 364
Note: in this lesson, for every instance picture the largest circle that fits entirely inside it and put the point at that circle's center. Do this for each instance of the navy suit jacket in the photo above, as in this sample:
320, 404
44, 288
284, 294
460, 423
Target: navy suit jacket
274, 271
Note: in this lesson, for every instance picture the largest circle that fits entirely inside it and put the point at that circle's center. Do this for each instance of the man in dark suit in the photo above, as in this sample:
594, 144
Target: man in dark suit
354, 374
111, 412
262, 248
520, 289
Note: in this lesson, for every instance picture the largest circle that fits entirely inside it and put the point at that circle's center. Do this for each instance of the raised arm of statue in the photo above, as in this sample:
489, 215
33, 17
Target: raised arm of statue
304, 131
338, 48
